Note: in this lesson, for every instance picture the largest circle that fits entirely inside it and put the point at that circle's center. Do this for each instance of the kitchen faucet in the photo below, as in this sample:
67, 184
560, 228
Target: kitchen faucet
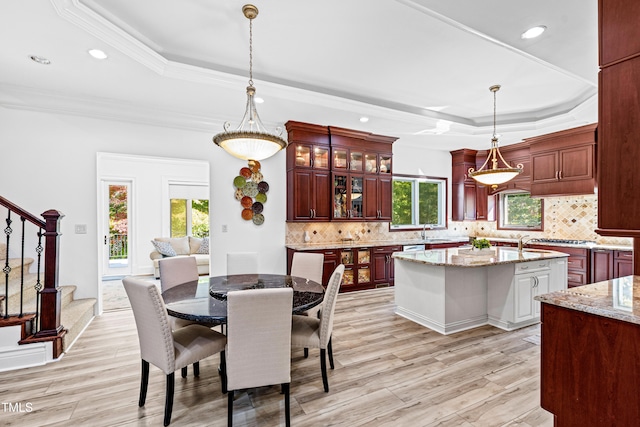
521, 242
423, 234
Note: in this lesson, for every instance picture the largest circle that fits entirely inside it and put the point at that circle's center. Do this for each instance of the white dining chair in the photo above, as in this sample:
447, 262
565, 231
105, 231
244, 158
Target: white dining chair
175, 271
259, 342
163, 347
242, 263
309, 266
308, 331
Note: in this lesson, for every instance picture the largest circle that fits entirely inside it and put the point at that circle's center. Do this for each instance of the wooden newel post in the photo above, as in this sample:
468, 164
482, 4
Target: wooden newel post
50, 294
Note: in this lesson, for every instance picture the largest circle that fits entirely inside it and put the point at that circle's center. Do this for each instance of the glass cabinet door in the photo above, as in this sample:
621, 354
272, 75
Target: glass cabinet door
355, 205
385, 163
303, 155
339, 158
364, 275
356, 161
371, 163
347, 277
340, 197
364, 256
346, 257
321, 158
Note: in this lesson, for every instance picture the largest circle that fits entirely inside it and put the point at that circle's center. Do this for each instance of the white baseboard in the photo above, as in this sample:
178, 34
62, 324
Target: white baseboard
15, 356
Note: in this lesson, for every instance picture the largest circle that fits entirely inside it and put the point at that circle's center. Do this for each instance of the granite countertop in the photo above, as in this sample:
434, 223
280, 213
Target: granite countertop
616, 299
372, 243
436, 240
457, 257
590, 245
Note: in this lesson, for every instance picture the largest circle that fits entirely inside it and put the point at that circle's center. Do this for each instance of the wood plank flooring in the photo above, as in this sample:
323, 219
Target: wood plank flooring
389, 372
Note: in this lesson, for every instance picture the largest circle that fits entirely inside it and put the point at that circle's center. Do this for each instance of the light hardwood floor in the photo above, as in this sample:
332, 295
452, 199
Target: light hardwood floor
389, 372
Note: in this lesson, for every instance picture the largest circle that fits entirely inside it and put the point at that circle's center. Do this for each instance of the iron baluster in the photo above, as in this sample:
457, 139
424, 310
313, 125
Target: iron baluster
38, 285
6, 268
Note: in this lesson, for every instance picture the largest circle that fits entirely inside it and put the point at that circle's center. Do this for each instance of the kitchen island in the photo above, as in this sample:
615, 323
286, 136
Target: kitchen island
451, 290
590, 375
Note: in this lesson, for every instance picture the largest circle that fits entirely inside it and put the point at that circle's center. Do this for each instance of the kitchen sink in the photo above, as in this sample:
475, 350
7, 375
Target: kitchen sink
436, 240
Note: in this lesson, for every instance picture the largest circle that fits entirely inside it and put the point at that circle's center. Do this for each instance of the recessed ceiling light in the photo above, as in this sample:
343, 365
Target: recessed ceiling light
364, 119
98, 54
258, 100
40, 60
533, 32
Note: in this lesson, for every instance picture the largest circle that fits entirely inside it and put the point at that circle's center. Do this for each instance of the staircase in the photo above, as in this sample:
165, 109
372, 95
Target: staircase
75, 315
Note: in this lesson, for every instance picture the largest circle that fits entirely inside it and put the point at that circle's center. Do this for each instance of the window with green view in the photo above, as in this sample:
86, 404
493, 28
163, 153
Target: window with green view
520, 210
189, 218
418, 201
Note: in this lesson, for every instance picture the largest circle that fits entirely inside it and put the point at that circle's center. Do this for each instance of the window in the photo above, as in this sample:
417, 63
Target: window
418, 201
189, 218
520, 211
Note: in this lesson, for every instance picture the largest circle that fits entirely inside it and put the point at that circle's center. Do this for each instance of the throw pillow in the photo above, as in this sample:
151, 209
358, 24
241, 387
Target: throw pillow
204, 246
164, 248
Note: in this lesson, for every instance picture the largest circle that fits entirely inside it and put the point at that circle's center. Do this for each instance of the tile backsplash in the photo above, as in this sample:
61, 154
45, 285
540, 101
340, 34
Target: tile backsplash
567, 217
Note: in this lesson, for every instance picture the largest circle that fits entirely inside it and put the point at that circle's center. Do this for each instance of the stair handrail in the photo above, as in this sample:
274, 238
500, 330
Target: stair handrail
50, 296
24, 214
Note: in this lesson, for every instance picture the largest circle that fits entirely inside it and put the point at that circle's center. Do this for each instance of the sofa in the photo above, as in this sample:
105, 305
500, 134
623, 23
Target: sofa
179, 247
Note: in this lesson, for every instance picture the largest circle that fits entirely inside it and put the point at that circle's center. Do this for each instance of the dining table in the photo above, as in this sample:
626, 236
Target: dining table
205, 300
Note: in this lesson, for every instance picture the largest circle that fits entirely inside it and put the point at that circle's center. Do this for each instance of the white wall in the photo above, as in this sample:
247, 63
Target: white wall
49, 162
412, 159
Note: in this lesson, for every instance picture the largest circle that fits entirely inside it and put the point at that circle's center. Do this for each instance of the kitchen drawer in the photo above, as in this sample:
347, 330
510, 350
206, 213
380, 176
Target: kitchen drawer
530, 267
381, 249
577, 263
623, 255
576, 278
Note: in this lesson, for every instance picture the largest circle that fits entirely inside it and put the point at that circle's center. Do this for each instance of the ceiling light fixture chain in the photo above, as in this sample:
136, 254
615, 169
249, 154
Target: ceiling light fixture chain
250, 141
495, 175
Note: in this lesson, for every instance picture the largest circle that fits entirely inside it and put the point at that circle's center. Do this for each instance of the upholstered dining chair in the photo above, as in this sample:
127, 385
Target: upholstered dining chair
308, 265
259, 342
242, 263
163, 347
173, 272
308, 331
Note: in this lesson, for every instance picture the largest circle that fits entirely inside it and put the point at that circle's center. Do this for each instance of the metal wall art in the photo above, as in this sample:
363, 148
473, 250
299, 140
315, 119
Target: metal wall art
251, 192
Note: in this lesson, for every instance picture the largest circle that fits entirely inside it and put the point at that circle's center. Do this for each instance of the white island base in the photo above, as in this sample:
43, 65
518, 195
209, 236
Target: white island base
450, 298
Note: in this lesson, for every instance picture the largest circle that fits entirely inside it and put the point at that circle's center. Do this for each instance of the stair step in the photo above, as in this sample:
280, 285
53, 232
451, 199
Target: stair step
75, 317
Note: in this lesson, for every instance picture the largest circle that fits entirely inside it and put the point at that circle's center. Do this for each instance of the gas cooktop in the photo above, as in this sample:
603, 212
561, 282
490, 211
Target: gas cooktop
566, 241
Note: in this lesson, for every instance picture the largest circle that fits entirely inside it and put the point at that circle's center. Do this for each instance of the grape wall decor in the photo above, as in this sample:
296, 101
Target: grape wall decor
251, 192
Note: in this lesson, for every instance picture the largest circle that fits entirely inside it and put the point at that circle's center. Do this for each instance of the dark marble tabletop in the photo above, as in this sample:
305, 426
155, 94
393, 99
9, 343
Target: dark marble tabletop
205, 300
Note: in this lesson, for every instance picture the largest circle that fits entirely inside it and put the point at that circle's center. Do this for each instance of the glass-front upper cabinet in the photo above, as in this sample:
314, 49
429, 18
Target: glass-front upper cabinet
312, 156
340, 197
385, 164
347, 196
356, 161
356, 205
346, 159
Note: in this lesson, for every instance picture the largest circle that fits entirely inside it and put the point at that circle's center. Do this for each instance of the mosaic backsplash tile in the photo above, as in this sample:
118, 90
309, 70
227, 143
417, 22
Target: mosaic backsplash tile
568, 217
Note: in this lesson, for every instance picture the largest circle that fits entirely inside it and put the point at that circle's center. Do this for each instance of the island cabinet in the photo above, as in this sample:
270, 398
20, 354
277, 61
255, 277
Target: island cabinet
382, 265
563, 163
361, 165
308, 173
511, 292
464, 191
589, 370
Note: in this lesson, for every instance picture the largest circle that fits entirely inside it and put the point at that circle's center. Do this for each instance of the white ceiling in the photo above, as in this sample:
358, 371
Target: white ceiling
419, 69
